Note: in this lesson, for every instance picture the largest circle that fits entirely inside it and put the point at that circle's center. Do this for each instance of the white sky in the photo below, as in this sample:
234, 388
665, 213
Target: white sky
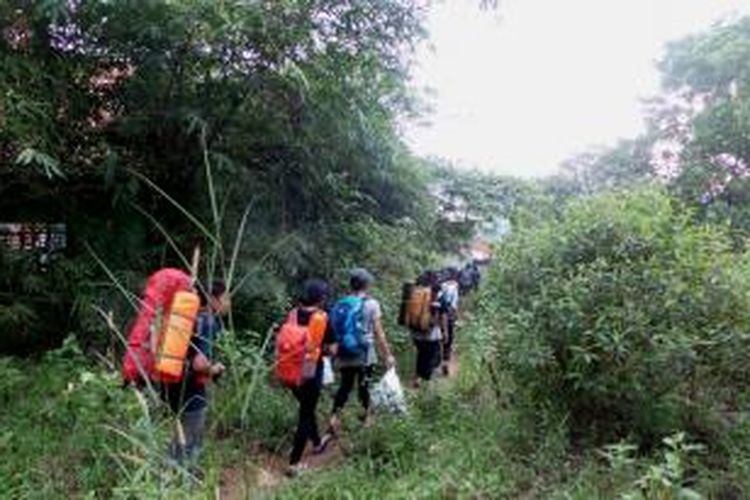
519, 90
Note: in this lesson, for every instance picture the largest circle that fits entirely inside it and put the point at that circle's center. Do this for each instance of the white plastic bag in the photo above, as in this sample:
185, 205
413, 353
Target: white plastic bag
328, 377
388, 395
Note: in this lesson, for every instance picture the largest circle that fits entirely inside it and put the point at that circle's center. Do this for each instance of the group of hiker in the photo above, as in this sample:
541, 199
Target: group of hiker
352, 333
171, 347
429, 308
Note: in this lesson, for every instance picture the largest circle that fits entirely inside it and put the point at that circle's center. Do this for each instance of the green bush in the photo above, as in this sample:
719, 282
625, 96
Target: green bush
623, 316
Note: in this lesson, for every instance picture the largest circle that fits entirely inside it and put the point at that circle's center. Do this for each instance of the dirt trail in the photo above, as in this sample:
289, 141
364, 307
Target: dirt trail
269, 471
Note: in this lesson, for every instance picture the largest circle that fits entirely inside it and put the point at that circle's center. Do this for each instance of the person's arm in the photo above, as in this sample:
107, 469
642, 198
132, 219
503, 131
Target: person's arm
329, 340
202, 366
382, 343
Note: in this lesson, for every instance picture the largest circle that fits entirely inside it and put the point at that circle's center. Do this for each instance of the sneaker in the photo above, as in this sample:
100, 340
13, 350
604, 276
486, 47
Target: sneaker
334, 426
366, 419
295, 470
324, 441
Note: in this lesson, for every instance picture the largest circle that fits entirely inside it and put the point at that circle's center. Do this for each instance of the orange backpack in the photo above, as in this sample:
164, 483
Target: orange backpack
298, 348
146, 334
418, 316
174, 342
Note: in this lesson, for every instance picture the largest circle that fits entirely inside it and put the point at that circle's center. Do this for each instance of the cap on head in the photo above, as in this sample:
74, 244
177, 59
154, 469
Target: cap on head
360, 278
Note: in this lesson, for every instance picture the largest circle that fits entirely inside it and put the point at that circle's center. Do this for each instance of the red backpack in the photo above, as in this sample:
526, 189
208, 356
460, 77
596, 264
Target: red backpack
293, 344
156, 301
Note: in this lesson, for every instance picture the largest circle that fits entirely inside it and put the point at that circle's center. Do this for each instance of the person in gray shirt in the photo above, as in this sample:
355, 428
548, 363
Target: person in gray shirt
359, 367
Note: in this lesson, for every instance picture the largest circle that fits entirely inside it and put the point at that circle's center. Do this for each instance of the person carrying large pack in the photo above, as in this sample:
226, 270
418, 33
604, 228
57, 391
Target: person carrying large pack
301, 343
187, 397
427, 340
356, 320
416, 301
158, 339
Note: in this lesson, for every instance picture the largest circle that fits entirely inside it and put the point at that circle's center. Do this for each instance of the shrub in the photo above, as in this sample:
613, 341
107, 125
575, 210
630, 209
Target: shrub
623, 315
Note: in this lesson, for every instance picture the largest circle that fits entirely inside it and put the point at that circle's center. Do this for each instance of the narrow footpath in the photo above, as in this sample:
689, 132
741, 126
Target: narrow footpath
270, 466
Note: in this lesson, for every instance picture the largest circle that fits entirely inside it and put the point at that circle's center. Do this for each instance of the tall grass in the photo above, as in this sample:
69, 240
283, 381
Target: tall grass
102, 440
145, 467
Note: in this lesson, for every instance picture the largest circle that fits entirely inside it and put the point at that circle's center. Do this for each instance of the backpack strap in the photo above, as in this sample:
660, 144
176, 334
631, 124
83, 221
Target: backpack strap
363, 300
293, 316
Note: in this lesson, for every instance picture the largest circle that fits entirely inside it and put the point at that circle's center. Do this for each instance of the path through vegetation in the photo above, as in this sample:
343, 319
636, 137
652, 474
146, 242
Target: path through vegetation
269, 471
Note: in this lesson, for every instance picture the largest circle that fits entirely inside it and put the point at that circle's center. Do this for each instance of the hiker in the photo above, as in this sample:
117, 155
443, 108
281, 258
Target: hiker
427, 340
466, 279
358, 329
476, 275
306, 378
188, 398
448, 298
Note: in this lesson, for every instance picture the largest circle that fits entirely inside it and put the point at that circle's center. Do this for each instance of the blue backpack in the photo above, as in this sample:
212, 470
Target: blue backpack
348, 323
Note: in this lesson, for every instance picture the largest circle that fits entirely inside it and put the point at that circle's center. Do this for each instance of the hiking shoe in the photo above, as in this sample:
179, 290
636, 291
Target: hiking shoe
366, 419
334, 426
295, 470
324, 441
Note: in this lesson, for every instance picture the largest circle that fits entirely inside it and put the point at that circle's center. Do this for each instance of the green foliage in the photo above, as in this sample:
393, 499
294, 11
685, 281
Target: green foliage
472, 203
50, 411
622, 316
449, 445
622, 166
71, 430
666, 480
293, 105
702, 119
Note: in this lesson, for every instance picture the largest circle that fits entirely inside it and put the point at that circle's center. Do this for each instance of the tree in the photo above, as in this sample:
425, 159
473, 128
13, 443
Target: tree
704, 117
292, 104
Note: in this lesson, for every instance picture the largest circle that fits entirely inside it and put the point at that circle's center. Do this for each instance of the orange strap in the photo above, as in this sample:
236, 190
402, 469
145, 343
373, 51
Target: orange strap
316, 326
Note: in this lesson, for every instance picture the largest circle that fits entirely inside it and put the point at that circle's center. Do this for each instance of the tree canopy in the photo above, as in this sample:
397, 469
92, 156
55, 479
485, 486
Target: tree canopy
292, 106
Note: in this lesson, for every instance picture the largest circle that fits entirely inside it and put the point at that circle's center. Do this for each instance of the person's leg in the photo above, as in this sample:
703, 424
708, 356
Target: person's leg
436, 354
425, 358
417, 378
348, 374
193, 424
176, 450
448, 342
313, 433
364, 375
307, 427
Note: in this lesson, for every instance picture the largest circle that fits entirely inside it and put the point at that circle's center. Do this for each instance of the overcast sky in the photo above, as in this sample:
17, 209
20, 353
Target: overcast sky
521, 89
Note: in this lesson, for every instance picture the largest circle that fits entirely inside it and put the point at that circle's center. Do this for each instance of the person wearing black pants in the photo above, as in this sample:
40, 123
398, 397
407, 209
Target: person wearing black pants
320, 336
448, 298
428, 343
450, 328
360, 367
307, 395
362, 375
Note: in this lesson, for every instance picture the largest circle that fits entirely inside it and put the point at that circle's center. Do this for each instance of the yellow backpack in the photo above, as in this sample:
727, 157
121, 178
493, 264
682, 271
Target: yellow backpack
417, 314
